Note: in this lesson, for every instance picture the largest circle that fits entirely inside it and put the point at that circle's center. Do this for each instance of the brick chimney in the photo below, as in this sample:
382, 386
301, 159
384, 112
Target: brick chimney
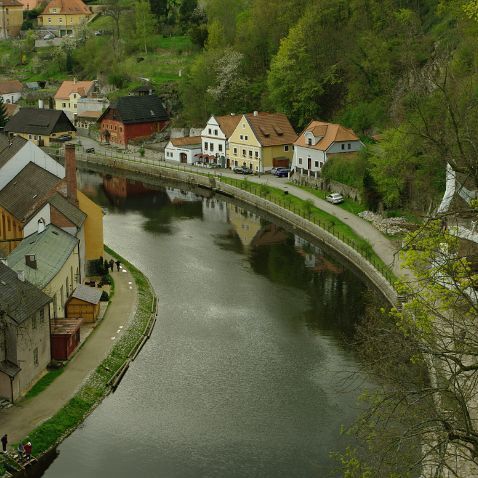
70, 173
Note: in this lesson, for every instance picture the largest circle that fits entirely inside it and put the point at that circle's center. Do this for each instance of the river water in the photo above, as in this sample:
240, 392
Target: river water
246, 373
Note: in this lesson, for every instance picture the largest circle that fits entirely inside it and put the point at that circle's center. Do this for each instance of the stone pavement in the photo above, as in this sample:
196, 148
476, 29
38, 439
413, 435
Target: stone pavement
19, 420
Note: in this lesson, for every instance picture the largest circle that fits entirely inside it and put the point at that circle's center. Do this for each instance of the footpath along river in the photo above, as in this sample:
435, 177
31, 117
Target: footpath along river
244, 373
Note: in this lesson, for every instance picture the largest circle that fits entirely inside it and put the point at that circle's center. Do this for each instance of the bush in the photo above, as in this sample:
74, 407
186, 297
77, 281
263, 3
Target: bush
105, 297
105, 280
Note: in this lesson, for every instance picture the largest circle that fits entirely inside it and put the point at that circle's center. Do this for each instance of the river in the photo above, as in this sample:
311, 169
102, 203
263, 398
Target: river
245, 374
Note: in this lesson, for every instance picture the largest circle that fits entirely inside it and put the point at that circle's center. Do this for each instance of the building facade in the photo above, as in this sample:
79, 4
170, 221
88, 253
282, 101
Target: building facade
11, 18
183, 150
69, 94
64, 16
215, 137
10, 91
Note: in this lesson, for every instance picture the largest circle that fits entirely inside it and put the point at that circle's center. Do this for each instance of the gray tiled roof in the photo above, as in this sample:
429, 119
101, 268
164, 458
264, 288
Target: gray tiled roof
51, 249
27, 190
87, 294
20, 300
139, 109
69, 210
39, 121
9, 147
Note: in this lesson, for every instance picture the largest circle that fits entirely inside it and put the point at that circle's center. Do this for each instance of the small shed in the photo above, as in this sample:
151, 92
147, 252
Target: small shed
85, 303
64, 337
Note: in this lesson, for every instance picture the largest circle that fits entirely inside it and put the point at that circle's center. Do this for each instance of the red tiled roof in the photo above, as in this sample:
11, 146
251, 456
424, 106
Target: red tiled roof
10, 86
228, 123
69, 87
67, 7
271, 129
329, 132
186, 141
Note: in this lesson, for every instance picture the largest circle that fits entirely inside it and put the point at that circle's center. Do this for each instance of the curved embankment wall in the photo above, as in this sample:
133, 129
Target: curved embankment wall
214, 183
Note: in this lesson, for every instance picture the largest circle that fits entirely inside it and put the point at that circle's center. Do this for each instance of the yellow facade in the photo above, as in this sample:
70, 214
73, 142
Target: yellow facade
245, 223
244, 149
63, 21
70, 105
10, 229
93, 227
42, 140
11, 19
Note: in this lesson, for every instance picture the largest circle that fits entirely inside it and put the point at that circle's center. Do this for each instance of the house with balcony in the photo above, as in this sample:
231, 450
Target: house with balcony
261, 141
321, 141
215, 137
24, 333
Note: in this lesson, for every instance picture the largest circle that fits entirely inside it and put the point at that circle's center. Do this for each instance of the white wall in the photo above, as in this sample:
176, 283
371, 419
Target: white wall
214, 141
173, 153
11, 97
345, 147
32, 226
318, 159
29, 153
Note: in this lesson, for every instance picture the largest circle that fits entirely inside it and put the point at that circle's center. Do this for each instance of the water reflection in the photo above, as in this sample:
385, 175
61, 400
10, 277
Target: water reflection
241, 375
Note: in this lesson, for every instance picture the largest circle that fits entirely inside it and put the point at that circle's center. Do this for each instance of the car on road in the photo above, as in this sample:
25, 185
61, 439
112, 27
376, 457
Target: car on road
242, 170
64, 137
89, 150
334, 198
274, 170
214, 166
282, 172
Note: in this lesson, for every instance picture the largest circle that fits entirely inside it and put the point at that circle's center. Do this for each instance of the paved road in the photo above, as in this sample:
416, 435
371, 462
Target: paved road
19, 420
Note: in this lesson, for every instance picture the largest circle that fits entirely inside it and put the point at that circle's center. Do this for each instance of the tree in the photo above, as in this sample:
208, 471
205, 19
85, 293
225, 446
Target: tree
145, 23
3, 114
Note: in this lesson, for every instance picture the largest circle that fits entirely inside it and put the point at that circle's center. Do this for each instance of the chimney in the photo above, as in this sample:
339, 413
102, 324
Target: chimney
41, 104
74, 80
31, 261
21, 275
70, 173
256, 113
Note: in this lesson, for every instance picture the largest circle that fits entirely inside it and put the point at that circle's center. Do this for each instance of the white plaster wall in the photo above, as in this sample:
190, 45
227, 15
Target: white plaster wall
337, 147
11, 97
32, 226
173, 153
314, 154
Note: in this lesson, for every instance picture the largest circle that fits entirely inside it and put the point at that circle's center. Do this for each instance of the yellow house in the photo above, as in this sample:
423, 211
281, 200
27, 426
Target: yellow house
11, 18
64, 15
261, 141
246, 224
93, 227
67, 96
50, 260
41, 126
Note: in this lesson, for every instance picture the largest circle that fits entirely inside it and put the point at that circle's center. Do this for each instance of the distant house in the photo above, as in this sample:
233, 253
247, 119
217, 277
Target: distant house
183, 150
261, 141
69, 93
64, 16
40, 126
49, 259
89, 111
319, 142
24, 333
215, 137
84, 303
11, 18
10, 91
132, 117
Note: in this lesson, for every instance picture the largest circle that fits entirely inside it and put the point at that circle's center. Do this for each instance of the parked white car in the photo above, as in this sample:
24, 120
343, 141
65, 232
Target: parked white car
334, 198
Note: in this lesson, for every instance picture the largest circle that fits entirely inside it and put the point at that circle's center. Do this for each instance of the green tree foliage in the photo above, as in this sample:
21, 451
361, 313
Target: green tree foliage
145, 23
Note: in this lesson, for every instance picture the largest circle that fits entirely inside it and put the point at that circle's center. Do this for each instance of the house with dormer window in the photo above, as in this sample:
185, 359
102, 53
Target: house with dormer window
64, 16
319, 142
261, 141
132, 118
69, 93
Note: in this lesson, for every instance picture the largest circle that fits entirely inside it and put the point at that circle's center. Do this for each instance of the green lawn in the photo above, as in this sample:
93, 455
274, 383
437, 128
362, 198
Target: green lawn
43, 383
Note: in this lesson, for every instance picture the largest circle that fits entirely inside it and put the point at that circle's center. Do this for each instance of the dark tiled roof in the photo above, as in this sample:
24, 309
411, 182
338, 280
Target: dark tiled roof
27, 190
70, 211
87, 294
20, 300
139, 109
9, 147
39, 121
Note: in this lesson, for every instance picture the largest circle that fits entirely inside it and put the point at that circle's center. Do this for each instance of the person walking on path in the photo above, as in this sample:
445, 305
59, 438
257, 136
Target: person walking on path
28, 451
112, 265
4, 443
118, 263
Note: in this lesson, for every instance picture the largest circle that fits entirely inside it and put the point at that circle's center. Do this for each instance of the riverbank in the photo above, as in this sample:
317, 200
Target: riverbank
51, 416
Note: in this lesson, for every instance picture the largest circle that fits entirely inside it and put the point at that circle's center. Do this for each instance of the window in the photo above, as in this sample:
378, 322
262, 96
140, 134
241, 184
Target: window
300, 160
244, 152
343, 146
286, 147
250, 153
219, 147
256, 154
49, 19
316, 164
212, 147
63, 105
309, 141
349, 146
235, 150
75, 106
215, 132
209, 130
206, 146
34, 322
35, 356
241, 137
60, 20
243, 125
246, 137
29, 136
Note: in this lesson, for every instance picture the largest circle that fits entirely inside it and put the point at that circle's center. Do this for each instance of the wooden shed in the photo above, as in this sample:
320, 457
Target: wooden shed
84, 303
64, 337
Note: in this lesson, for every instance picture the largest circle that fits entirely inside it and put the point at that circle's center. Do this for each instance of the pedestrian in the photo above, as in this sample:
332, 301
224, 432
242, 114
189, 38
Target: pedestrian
112, 265
28, 451
106, 266
118, 263
4, 440
20, 451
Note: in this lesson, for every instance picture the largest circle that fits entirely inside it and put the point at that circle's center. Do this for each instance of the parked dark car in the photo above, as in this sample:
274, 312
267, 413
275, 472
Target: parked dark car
282, 172
65, 137
242, 170
89, 150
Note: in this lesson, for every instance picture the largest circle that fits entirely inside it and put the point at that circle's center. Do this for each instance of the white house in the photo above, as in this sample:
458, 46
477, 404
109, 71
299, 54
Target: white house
183, 150
318, 142
215, 136
16, 153
11, 91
